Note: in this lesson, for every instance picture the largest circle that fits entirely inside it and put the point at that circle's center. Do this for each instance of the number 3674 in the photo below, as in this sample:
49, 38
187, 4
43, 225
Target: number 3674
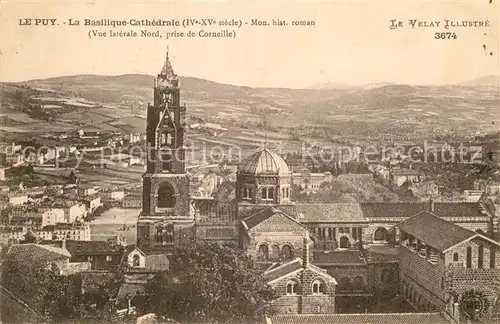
445, 35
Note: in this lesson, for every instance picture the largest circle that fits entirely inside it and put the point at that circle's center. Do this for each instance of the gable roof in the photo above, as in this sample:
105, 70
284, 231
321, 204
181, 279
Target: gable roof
396, 209
459, 209
408, 209
91, 247
293, 266
387, 318
264, 214
335, 212
435, 231
283, 270
38, 253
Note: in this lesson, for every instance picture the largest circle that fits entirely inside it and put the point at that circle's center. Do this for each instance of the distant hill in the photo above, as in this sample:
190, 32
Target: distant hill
330, 85
488, 80
367, 111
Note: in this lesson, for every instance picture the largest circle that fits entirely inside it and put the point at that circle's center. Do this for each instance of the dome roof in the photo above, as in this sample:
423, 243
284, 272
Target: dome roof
264, 162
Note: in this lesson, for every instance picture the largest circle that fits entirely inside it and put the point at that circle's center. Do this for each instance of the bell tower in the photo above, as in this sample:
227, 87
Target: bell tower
166, 219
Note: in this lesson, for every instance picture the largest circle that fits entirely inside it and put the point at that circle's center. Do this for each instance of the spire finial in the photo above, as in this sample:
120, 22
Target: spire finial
265, 139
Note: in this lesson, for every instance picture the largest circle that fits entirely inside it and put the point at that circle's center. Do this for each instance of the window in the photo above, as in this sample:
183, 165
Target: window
166, 197
480, 256
286, 252
275, 252
380, 234
246, 193
318, 287
287, 193
263, 253
344, 243
109, 258
136, 260
455, 257
358, 283
291, 288
469, 257
345, 283
169, 234
89, 259
267, 193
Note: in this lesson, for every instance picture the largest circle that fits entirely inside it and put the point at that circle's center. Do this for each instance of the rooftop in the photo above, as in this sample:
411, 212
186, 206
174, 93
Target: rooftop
265, 213
335, 212
91, 247
264, 162
38, 253
435, 231
388, 318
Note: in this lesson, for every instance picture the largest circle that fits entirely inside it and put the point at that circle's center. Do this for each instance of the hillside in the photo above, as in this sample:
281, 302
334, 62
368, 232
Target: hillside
384, 111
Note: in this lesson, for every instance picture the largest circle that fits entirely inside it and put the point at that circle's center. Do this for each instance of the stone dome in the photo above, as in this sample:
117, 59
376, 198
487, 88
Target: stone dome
264, 162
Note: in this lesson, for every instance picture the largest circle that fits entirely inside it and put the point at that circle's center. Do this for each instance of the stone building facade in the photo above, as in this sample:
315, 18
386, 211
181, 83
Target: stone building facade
303, 288
441, 263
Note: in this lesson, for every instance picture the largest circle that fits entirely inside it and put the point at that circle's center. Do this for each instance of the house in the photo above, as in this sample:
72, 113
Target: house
110, 195
303, 288
132, 200
92, 202
17, 198
87, 190
73, 210
102, 255
140, 261
444, 266
400, 176
309, 180
51, 256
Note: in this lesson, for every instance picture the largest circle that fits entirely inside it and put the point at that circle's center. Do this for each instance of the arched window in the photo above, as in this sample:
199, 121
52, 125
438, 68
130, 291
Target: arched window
270, 193
358, 283
345, 283
455, 257
163, 139
287, 192
318, 287
344, 242
263, 253
286, 252
291, 287
264, 193
169, 139
380, 234
469, 257
166, 198
275, 253
136, 260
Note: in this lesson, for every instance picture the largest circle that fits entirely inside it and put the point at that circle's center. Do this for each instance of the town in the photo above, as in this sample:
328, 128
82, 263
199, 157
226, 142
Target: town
180, 218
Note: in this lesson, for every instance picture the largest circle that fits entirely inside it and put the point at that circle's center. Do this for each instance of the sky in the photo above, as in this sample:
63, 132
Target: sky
351, 42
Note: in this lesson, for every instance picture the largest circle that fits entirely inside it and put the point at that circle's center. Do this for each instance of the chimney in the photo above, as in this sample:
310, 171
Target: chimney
305, 253
431, 205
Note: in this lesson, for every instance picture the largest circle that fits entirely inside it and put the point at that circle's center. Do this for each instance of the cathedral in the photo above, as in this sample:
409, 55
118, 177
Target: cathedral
322, 258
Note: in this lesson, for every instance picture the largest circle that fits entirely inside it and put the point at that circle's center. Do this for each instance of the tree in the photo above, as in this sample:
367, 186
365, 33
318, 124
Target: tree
210, 283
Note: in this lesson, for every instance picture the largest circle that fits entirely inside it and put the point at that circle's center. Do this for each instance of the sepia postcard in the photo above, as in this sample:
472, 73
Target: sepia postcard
269, 162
